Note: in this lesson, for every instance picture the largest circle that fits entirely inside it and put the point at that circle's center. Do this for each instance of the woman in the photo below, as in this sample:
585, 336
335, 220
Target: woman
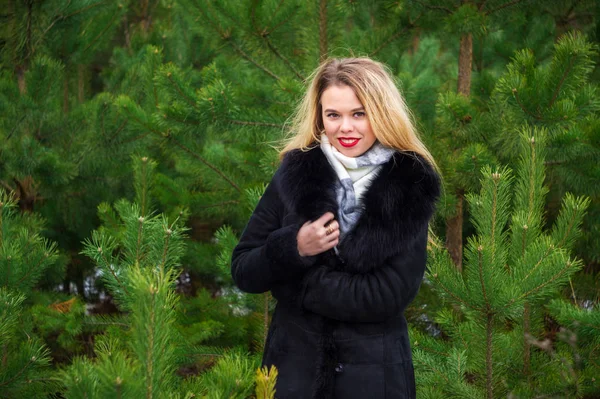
339, 238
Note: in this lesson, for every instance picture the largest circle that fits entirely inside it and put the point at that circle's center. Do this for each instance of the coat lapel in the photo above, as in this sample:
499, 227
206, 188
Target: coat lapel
396, 207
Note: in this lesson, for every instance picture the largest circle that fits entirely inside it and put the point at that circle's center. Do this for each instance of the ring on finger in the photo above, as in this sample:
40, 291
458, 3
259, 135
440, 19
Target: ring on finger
329, 230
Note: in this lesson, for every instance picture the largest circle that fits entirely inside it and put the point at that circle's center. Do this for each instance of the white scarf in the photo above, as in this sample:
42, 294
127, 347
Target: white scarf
355, 176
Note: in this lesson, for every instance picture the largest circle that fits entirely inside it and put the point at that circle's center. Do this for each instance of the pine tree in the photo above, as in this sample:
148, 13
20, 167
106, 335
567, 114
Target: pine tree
205, 87
559, 96
138, 253
511, 267
138, 257
24, 257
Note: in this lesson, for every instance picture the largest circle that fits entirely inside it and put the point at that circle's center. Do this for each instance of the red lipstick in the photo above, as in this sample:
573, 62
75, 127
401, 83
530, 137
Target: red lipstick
348, 143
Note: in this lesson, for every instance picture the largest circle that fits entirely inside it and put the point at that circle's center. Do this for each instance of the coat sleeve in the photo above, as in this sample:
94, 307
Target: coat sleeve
375, 296
267, 253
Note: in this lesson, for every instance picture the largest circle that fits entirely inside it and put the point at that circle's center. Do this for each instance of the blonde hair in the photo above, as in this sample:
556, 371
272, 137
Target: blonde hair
385, 107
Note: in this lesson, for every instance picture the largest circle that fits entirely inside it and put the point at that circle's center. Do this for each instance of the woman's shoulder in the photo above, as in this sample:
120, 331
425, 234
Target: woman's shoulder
410, 168
300, 154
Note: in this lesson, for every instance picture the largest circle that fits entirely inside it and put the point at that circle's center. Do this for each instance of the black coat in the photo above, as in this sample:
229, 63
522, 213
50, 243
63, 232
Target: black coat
338, 330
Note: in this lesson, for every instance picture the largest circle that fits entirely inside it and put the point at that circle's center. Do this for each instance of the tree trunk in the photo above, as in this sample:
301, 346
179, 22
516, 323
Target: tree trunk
81, 83
454, 233
66, 91
322, 30
465, 60
454, 225
489, 380
527, 344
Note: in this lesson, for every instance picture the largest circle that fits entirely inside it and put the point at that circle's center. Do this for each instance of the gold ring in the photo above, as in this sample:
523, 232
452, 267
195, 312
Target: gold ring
329, 230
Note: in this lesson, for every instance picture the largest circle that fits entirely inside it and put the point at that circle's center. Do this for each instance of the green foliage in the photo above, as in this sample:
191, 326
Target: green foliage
139, 264
24, 256
510, 264
205, 88
231, 377
265, 382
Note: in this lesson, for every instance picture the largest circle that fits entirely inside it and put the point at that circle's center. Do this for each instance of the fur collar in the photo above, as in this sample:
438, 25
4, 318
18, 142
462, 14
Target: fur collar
397, 205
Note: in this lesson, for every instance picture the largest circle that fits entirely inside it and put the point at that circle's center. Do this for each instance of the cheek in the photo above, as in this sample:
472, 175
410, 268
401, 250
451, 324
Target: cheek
328, 126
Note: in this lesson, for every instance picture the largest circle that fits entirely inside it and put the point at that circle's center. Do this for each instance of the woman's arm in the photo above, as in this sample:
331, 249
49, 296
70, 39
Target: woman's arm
375, 296
267, 253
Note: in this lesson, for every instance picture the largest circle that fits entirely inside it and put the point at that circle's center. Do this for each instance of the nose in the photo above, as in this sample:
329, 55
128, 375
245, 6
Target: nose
346, 125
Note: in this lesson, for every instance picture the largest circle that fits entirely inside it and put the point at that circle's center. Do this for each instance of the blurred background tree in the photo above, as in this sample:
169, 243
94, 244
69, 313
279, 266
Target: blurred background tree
205, 89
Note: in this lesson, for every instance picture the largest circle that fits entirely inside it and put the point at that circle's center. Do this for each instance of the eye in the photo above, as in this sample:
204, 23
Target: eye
359, 114
331, 115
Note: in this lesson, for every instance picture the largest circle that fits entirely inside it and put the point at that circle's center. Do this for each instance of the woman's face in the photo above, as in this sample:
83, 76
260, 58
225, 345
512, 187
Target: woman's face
345, 120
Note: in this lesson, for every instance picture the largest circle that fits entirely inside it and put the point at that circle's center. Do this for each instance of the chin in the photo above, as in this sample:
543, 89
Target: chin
352, 152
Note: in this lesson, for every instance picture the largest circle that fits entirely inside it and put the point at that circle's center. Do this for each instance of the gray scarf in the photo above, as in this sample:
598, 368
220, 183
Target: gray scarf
355, 175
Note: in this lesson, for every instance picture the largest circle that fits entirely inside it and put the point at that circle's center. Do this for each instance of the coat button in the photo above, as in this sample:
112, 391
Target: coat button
339, 368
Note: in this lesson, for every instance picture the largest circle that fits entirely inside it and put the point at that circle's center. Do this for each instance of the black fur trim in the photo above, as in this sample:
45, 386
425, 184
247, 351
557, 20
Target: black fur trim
327, 363
399, 202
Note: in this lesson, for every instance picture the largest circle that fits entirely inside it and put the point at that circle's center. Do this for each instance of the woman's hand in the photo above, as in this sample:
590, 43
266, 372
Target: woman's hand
318, 236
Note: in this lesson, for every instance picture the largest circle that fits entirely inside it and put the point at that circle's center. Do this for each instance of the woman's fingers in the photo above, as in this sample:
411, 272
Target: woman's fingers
331, 228
326, 218
318, 236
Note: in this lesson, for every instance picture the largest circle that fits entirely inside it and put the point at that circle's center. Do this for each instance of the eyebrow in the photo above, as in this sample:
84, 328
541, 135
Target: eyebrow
352, 110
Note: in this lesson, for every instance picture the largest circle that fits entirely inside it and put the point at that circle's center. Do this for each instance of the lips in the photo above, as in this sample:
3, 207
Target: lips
348, 142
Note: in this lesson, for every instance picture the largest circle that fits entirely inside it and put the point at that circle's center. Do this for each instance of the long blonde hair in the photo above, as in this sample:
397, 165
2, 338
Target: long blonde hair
385, 107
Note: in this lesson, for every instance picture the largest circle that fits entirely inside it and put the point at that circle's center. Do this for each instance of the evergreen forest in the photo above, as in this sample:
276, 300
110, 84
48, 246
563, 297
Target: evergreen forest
137, 136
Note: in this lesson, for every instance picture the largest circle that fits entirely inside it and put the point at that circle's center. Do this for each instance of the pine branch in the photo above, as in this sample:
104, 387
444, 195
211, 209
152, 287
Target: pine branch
35, 267
220, 204
569, 229
539, 287
149, 358
99, 35
252, 123
488, 356
60, 18
227, 38
144, 185
283, 21
247, 57
106, 323
14, 129
552, 247
539, 262
8, 263
169, 136
139, 239
562, 80
483, 290
198, 157
190, 121
132, 139
185, 96
516, 95
429, 6
456, 298
163, 261
395, 36
265, 36
14, 377
500, 7
112, 271
429, 350
280, 56
440, 373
